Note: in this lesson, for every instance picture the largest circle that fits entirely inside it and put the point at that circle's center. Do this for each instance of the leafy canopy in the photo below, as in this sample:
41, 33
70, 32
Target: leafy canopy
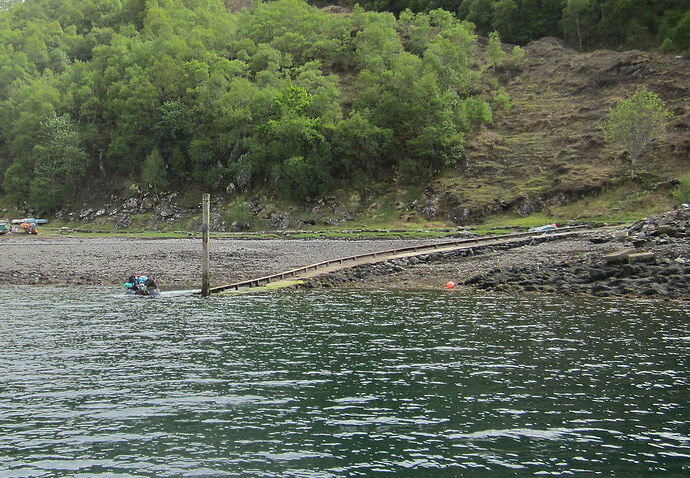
178, 93
635, 122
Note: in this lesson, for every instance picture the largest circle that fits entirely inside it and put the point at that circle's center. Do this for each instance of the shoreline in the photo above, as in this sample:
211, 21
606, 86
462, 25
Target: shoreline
567, 266
174, 262
656, 264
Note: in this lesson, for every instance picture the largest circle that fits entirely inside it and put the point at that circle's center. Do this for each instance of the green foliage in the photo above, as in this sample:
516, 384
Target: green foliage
517, 57
361, 148
579, 20
60, 164
415, 31
153, 172
635, 122
180, 94
292, 100
502, 100
682, 192
679, 34
585, 24
667, 46
480, 13
504, 17
494, 52
472, 112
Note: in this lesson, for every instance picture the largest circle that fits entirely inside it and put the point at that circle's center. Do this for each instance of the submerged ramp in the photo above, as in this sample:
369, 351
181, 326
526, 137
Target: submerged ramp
340, 263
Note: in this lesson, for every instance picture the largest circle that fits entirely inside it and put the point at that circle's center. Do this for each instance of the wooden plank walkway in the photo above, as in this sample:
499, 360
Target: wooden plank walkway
333, 265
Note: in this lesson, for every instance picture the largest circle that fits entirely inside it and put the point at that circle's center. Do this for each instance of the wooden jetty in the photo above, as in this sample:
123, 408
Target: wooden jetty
333, 265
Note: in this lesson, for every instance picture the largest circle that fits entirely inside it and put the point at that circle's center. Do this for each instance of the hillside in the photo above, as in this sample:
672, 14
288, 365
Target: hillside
293, 116
548, 150
544, 156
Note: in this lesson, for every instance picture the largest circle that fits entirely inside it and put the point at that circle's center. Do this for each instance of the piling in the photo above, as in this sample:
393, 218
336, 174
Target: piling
206, 256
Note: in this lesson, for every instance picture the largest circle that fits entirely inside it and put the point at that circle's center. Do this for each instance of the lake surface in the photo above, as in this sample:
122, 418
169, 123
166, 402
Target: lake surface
341, 383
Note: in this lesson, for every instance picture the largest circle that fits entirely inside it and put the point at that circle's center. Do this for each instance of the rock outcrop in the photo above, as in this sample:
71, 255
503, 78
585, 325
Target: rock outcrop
652, 258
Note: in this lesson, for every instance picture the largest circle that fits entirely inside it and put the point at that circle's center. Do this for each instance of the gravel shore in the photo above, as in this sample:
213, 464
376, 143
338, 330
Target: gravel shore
649, 259
573, 265
175, 263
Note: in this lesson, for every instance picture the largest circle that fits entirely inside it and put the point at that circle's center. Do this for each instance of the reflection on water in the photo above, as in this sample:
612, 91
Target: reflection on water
341, 384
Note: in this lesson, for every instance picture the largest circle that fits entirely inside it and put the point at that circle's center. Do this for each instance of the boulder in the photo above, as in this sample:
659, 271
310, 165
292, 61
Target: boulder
668, 229
130, 204
85, 214
280, 220
123, 221
620, 236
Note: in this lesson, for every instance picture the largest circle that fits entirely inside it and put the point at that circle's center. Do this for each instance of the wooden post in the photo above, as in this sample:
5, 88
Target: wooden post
206, 256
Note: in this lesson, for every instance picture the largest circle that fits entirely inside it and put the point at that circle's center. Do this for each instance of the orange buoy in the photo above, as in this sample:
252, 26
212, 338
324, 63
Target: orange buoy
450, 285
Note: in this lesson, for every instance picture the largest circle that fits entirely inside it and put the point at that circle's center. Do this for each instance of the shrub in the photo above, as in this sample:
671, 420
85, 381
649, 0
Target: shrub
682, 193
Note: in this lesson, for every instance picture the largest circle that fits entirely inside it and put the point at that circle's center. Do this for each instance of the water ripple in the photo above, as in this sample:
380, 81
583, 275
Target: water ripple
331, 384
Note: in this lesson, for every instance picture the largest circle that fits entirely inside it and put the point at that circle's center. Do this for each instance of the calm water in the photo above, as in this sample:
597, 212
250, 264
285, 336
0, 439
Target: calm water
323, 384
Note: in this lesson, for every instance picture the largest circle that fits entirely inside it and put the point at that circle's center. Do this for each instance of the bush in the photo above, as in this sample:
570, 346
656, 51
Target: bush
682, 193
668, 46
502, 100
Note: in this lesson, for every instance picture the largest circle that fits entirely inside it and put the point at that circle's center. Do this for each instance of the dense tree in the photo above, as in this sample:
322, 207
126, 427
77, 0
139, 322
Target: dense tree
628, 24
578, 21
153, 172
181, 92
504, 17
60, 163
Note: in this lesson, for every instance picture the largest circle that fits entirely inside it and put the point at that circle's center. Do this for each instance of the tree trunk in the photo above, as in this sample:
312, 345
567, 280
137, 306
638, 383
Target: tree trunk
633, 163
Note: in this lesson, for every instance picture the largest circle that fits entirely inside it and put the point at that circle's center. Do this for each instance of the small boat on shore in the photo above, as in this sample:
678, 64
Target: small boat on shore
30, 220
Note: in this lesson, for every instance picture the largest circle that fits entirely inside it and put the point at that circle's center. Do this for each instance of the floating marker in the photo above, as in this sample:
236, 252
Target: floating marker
450, 285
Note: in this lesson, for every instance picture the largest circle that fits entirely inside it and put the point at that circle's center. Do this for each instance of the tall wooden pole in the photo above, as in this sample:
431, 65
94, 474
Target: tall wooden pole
206, 256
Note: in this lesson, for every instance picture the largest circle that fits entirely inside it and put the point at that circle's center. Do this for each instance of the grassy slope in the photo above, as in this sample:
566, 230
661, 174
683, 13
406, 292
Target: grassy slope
547, 153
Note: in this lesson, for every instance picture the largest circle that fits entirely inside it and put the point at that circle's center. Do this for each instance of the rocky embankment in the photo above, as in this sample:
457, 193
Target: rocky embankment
650, 259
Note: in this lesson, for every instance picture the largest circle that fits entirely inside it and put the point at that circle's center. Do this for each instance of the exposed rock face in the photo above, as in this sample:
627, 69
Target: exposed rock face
162, 209
280, 220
